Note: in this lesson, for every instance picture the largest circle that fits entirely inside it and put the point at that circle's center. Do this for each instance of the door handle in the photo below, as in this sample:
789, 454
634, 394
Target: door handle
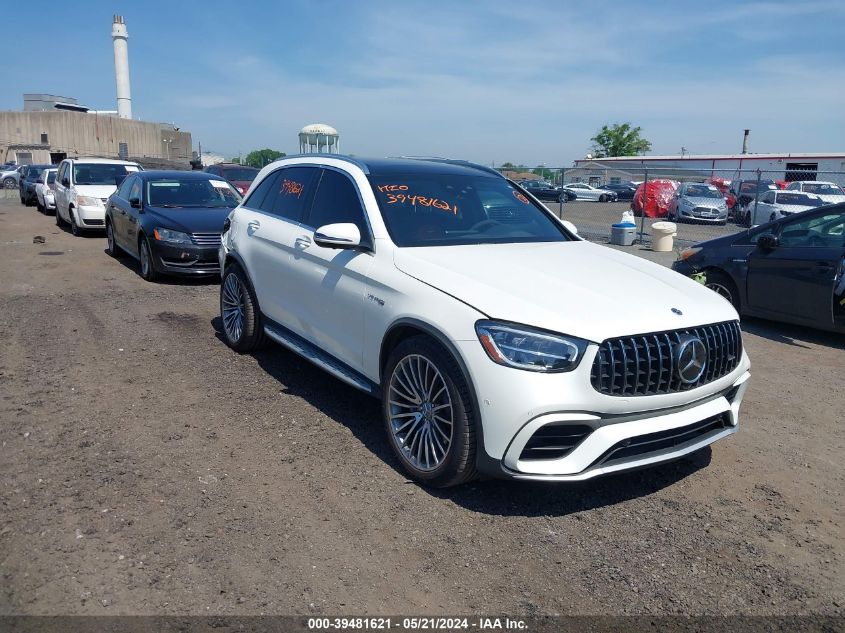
303, 242
253, 226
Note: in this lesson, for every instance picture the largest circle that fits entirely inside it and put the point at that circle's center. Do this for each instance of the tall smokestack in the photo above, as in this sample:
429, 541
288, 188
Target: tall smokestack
744, 139
121, 67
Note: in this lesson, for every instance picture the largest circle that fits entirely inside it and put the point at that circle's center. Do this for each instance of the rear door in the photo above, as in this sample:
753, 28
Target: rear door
796, 279
270, 220
118, 211
330, 284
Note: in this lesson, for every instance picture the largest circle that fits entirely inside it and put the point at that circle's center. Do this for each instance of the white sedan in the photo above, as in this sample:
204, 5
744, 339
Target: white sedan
774, 205
45, 191
583, 191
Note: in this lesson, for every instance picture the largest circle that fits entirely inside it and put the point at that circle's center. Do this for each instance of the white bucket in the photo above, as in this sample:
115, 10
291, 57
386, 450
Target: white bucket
661, 236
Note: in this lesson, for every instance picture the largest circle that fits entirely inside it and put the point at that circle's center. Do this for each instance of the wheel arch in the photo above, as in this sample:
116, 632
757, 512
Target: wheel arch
407, 327
740, 288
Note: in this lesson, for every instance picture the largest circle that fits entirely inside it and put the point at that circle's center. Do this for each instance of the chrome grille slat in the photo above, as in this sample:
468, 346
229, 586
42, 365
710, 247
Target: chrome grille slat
206, 239
644, 364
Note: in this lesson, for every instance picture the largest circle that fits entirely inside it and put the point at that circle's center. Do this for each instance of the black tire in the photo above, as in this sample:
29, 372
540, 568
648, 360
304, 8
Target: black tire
59, 222
602, 198
724, 286
458, 464
236, 291
74, 227
111, 246
40, 207
145, 256
9, 183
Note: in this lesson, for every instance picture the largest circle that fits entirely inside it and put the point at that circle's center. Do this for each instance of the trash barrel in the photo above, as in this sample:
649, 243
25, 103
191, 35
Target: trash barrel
623, 234
661, 236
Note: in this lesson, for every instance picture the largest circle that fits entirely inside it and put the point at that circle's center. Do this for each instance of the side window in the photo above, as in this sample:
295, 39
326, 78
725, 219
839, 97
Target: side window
821, 231
769, 198
292, 191
335, 202
123, 191
256, 198
62, 169
793, 186
135, 190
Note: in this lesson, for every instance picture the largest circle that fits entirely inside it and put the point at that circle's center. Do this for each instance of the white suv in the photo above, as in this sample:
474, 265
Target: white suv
83, 185
498, 341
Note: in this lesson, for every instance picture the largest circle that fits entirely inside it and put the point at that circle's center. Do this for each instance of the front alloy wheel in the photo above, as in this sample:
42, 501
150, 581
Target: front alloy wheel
148, 271
427, 413
242, 328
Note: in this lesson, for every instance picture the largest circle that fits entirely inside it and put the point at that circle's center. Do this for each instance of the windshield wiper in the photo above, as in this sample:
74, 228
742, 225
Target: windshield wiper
170, 206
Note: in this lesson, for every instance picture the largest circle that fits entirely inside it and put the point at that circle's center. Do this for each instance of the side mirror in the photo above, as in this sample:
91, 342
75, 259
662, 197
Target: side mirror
135, 203
767, 241
343, 236
66, 182
570, 227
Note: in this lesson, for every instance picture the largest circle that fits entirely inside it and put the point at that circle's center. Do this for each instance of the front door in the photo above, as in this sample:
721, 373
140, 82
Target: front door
796, 278
329, 283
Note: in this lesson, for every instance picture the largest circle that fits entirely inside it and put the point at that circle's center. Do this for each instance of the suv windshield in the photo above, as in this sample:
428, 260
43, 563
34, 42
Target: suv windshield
99, 173
239, 173
449, 209
703, 191
173, 192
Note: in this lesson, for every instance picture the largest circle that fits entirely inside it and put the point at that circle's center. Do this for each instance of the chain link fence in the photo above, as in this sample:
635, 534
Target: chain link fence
702, 203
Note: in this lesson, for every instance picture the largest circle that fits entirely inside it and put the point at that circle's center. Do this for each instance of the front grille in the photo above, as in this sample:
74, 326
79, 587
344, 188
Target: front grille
643, 445
206, 239
644, 364
553, 441
94, 222
705, 211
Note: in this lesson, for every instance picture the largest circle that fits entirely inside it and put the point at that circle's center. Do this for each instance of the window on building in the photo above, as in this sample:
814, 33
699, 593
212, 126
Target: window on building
44, 139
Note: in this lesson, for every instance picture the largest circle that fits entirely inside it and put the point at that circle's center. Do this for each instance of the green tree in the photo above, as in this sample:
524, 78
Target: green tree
261, 157
619, 140
236, 160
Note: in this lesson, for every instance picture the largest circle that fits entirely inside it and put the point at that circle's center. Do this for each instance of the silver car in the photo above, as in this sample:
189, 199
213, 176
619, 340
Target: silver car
774, 205
583, 191
9, 176
698, 202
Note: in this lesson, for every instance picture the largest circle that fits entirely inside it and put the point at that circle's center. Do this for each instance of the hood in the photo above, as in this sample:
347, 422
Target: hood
575, 288
715, 203
793, 208
190, 219
95, 191
832, 198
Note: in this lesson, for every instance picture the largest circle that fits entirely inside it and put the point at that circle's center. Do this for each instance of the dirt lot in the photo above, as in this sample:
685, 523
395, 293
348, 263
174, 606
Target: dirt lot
146, 468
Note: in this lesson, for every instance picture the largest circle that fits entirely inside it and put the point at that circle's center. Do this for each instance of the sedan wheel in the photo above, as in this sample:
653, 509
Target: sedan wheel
602, 198
74, 227
425, 403
111, 246
723, 286
148, 271
9, 183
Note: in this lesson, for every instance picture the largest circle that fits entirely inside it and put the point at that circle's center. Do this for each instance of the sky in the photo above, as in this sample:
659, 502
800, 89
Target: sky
521, 81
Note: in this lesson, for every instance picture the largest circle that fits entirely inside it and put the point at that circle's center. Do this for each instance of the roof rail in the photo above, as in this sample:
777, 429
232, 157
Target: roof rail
455, 161
349, 159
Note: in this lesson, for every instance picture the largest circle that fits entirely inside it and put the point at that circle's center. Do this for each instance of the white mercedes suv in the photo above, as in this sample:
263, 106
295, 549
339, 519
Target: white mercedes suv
499, 342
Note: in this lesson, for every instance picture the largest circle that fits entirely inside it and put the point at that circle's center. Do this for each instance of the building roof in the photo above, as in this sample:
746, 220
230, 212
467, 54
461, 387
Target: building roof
628, 159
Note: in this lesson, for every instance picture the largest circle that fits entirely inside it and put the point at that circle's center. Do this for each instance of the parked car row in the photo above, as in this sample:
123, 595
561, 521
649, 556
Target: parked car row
447, 291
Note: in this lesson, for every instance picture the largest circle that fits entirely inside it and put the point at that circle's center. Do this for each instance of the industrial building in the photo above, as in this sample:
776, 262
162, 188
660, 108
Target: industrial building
51, 128
788, 167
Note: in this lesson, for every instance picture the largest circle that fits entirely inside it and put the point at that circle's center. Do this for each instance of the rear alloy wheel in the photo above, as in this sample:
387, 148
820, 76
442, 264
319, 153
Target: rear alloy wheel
148, 271
427, 413
239, 311
9, 183
723, 286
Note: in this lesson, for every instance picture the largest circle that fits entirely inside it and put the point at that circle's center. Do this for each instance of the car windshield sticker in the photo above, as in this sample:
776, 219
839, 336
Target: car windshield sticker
165, 184
520, 197
291, 187
437, 203
220, 184
131, 168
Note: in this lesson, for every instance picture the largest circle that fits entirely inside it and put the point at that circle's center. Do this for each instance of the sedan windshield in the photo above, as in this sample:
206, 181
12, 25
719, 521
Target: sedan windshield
449, 209
173, 192
100, 173
702, 191
822, 188
800, 198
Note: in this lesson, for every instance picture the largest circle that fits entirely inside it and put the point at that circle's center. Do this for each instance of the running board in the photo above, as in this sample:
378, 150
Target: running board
322, 360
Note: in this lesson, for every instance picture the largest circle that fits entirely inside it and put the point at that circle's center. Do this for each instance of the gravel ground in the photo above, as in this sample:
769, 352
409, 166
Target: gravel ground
147, 469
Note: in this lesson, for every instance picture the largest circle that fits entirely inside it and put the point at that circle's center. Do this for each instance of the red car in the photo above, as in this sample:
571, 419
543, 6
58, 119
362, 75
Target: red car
240, 176
660, 194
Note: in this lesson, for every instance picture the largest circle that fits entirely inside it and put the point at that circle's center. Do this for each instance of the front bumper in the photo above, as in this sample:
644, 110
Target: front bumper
514, 405
184, 259
91, 216
716, 215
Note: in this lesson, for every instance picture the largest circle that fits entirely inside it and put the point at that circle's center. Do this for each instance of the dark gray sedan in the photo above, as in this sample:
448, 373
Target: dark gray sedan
789, 270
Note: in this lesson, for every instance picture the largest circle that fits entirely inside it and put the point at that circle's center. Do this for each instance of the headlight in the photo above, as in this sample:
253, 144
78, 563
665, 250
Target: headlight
525, 348
88, 201
688, 252
175, 237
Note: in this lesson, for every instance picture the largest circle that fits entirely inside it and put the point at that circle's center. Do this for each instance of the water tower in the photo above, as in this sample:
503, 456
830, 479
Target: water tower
319, 138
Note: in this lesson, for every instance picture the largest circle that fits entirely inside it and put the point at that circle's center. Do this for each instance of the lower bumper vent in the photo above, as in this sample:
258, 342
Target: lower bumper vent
553, 441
